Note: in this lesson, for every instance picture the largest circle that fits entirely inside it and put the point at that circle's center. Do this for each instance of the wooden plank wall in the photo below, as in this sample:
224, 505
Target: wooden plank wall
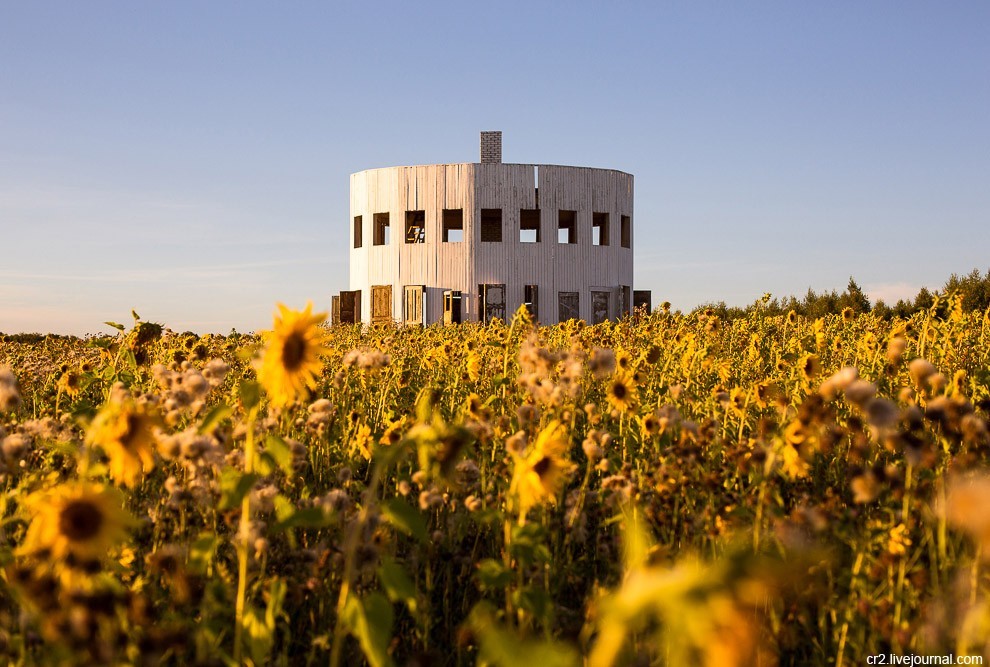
464, 265
437, 265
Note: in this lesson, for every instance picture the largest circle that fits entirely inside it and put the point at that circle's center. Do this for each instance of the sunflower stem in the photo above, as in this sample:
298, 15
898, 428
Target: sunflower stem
351, 544
242, 542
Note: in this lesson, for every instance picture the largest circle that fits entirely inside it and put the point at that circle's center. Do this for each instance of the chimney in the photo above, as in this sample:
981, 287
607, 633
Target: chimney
491, 146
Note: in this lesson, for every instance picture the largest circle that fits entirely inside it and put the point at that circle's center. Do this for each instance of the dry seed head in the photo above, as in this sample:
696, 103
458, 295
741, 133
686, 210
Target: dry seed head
860, 391
516, 443
937, 382
10, 398
895, 349
881, 413
920, 370
831, 387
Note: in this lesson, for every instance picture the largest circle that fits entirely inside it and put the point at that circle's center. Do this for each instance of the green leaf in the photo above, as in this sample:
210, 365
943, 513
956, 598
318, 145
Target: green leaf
397, 584
118, 327
234, 485
283, 507
276, 597
493, 574
503, 648
636, 542
201, 552
405, 517
258, 636
214, 417
370, 622
528, 544
249, 393
536, 601
280, 452
264, 464
307, 517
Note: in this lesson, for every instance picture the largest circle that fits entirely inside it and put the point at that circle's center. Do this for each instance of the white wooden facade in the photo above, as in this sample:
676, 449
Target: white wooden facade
603, 196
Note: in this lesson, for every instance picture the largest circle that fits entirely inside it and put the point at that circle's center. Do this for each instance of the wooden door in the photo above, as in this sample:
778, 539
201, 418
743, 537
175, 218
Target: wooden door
335, 309
350, 307
381, 304
412, 304
451, 307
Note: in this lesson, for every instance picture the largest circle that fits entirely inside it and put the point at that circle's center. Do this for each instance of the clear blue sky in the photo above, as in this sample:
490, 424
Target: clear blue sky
190, 160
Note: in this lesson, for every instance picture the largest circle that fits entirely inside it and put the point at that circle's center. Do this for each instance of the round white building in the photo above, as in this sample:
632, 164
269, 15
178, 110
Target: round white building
471, 242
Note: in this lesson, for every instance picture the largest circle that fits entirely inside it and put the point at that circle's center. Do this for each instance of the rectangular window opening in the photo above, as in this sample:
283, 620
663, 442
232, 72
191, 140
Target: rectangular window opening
358, 231
531, 300
567, 306
453, 225
567, 227
381, 229
491, 302
626, 231
529, 225
491, 225
415, 226
599, 306
599, 228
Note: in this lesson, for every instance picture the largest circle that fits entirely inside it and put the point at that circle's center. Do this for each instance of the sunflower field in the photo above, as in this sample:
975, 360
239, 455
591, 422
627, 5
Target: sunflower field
670, 489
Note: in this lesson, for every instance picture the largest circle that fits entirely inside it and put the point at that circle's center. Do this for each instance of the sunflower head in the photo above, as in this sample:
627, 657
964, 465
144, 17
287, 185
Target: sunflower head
292, 362
622, 393
70, 383
809, 365
540, 475
126, 431
78, 521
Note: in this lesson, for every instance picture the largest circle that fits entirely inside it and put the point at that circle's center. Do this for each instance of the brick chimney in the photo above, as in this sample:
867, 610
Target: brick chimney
491, 146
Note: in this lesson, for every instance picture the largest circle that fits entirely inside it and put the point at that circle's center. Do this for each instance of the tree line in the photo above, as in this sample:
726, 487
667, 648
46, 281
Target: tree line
973, 289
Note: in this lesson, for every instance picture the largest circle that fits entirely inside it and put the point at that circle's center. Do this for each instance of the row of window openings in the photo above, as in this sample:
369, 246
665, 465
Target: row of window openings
491, 303
491, 227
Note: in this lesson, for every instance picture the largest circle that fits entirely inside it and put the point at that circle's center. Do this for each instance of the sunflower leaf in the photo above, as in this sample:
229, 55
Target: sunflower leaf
307, 517
201, 552
214, 417
370, 621
500, 646
493, 574
249, 393
234, 485
405, 517
277, 448
397, 583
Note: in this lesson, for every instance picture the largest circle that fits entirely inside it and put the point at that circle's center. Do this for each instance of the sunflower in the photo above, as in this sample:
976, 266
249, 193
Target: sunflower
649, 423
622, 393
809, 365
126, 432
473, 366
393, 434
623, 360
291, 362
77, 519
69, 383
541, 474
